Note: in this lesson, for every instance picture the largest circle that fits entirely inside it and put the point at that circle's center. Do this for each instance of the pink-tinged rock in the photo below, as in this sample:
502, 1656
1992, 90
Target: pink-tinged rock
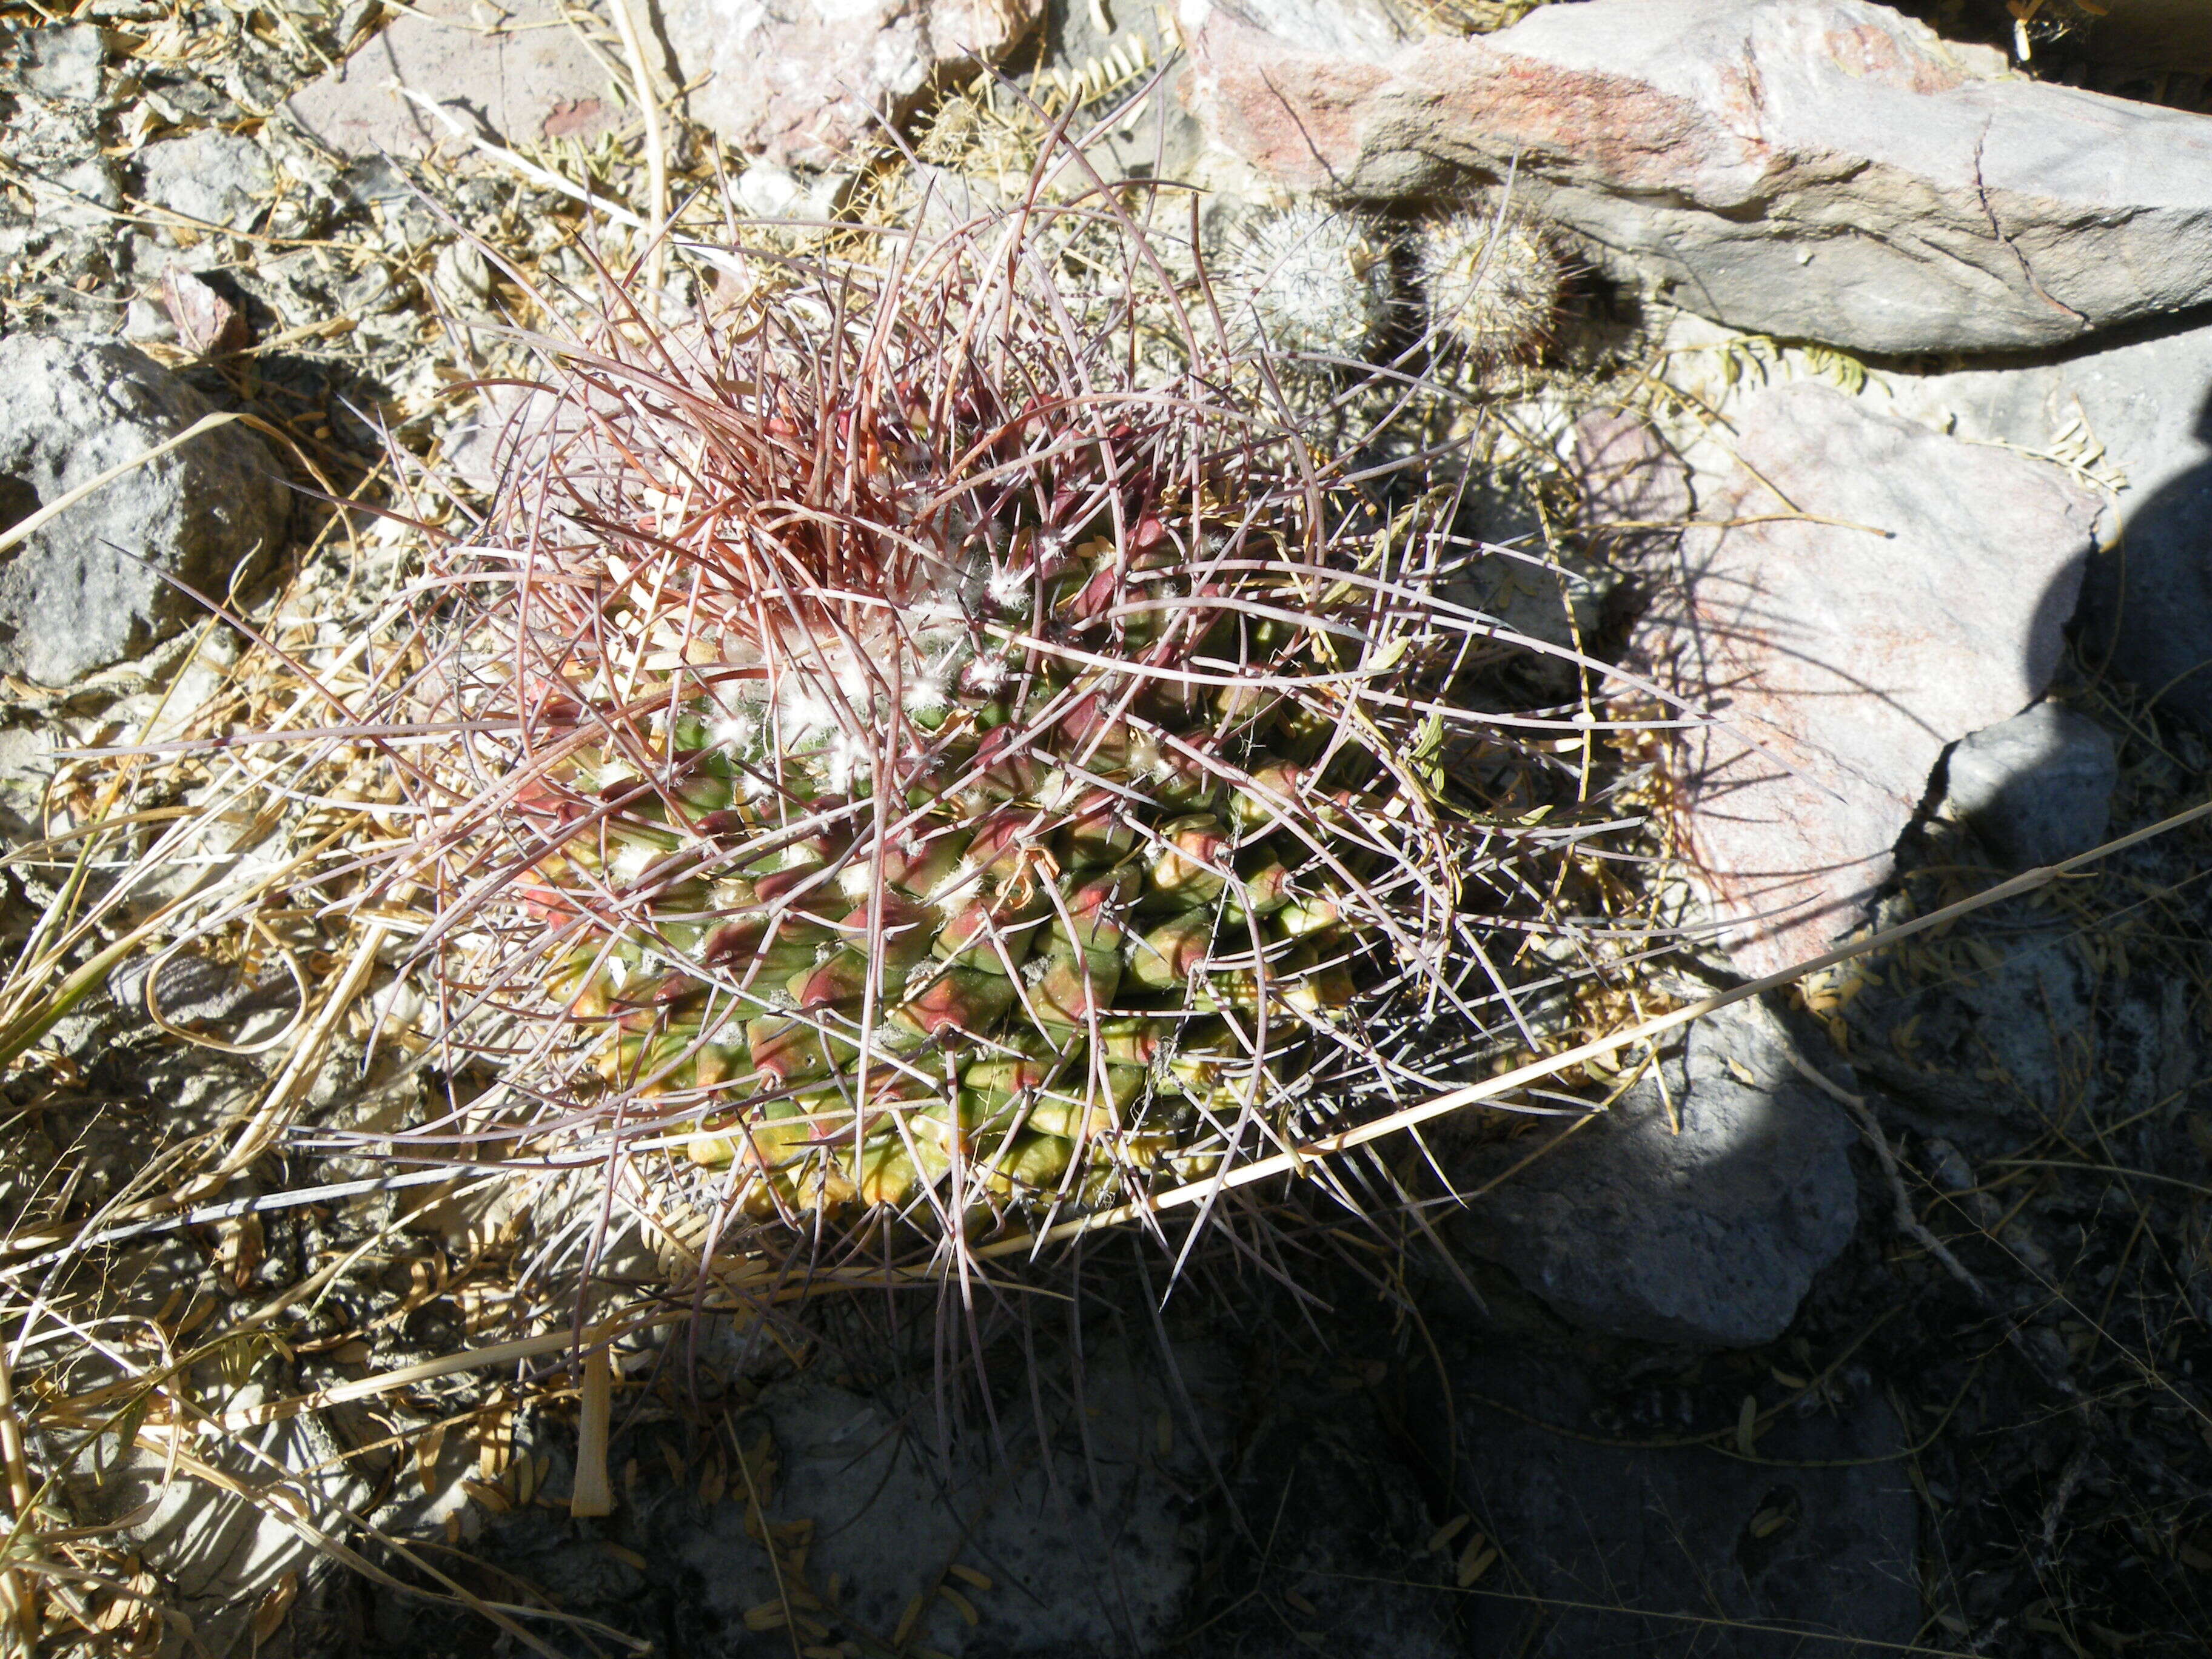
805, 82
1839, 660
208, 325
1823, 169
532, 80
1635, 490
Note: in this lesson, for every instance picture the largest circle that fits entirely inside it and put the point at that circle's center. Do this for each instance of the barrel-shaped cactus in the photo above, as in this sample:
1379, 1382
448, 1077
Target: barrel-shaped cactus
900, 757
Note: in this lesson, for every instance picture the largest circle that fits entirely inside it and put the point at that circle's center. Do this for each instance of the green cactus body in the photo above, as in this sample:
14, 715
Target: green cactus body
923, 772
1010, 970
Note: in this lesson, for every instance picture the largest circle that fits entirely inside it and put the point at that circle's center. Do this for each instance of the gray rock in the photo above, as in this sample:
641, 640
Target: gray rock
190, 990
1869, 592
771, 192
1341, 1565
804, 83
1085, 1536
885, 1521
2037, 787
1552, 599
2131, 414
78, 193
1680, 1552
222, 1549
1708, 1236
2142, 412
77, 597
2013, 1019
217, 178
534, 80
2148, 611
64, 62
1823, 169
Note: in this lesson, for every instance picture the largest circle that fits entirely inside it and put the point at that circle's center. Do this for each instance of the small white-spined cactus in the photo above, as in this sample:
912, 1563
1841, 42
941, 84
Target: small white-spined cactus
1494, 282
1309, 282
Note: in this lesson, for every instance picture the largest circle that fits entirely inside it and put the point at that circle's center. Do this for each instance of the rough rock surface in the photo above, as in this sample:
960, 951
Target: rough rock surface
2016, 1018
1869, 592
1819, 168
533, 81
217, 178
2148, 614
75, 596
2037, 787
1679, 1551
223, 1553
1996, 1024
1082, 1541
1341, 1566
1633, 488
802, 83
1708, 1236
2142, 409
64, 62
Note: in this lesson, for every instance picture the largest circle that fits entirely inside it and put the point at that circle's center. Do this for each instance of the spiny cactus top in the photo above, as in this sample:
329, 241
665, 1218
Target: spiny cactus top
1309, 282
907, 762
1494, 280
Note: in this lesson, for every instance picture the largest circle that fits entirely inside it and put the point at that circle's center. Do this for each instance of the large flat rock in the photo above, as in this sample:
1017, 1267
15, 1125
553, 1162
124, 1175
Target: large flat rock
804, 84
2140, 410
531, 80
1824, 169
1866, 592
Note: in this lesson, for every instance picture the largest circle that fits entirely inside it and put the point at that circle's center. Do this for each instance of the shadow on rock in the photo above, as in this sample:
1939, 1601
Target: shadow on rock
2146, 607
1664, 1546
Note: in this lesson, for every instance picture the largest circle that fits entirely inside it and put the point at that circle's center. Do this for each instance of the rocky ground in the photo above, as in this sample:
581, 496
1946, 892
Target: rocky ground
1865, 1320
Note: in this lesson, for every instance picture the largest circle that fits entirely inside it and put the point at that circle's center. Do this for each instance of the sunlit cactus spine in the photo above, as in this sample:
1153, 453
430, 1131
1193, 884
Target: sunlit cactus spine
908, 762
1310, 283
1494, 279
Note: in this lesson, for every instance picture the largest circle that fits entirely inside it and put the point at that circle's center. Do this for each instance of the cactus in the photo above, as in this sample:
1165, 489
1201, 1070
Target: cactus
886, 755
1494, 281
1308, 282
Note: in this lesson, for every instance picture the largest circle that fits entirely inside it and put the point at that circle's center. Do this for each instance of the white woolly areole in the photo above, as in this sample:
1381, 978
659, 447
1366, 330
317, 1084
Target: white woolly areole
1494, 285
1009, 588
1309, 280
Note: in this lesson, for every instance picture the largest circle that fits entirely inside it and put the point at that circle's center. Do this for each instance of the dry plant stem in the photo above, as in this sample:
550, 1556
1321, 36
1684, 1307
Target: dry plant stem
1918, 1231
467, 1359
207, 1214
268, 1121
18, 1610
656, 147
715, 259
48, 1012
1908, 1223
1291, 1162
593, 1494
